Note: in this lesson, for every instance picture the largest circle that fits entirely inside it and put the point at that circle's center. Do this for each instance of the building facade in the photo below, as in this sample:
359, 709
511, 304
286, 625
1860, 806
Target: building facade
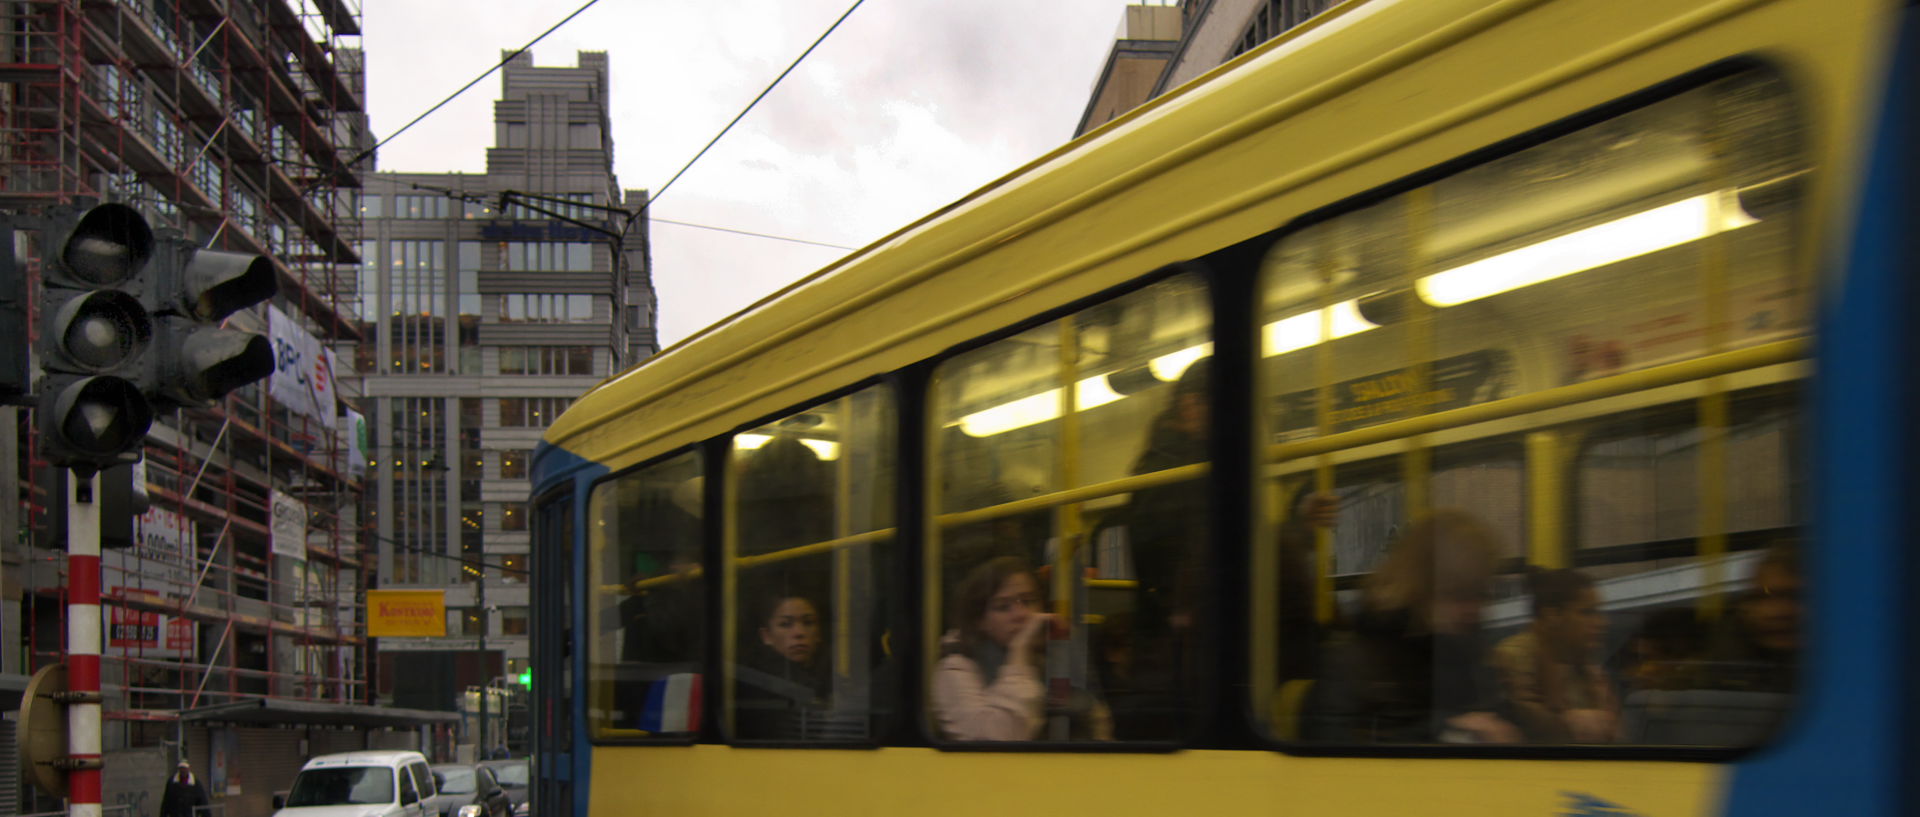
1161, 47
240, 125
492, 300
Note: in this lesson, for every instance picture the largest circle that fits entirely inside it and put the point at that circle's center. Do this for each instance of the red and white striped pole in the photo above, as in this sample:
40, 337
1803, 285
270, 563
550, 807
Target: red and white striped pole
83, 648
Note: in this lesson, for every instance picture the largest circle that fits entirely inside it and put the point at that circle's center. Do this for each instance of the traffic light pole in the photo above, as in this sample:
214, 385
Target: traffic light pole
83, 646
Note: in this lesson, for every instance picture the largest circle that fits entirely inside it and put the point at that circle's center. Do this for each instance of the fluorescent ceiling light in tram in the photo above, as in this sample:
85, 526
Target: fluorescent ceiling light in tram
1597, 246
1169, 367
1305, 329
1039, 408
824, 449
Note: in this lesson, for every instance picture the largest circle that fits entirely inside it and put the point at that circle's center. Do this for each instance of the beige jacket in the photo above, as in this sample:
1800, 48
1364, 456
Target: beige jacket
1013, 707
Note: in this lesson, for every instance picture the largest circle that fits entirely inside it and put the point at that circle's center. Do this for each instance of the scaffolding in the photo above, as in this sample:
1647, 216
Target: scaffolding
237, 124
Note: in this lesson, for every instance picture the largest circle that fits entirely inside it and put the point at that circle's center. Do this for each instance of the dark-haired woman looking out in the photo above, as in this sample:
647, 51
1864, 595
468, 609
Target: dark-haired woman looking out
1550, 671
989, 685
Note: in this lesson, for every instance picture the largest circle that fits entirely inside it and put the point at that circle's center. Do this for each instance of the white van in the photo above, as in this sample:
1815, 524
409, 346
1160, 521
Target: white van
362, 784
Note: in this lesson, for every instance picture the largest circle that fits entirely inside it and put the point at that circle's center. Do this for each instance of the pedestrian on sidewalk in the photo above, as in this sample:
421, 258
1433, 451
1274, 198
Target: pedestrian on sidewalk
184, 793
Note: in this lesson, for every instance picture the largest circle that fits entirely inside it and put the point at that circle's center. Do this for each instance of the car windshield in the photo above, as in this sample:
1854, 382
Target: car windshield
514, 774
342, 786
454, 781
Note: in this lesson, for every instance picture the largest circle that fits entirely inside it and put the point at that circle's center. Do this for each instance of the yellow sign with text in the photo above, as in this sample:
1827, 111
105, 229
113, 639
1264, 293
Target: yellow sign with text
406, 613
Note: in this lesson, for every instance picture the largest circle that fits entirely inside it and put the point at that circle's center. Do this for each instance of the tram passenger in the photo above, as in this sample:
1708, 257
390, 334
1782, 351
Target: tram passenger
786, 498
970, 478
783, 681
989, 685
1760, 649
1413, 669
1555, 686
1301, 632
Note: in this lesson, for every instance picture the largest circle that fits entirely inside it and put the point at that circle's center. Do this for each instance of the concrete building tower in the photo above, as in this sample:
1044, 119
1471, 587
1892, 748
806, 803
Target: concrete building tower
499, 297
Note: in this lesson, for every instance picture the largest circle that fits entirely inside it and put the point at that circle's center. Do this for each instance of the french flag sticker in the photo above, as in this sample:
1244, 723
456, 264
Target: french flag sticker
673, 704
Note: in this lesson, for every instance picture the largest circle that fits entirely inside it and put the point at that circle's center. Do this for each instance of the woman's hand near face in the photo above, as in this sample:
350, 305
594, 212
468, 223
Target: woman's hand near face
1026, 642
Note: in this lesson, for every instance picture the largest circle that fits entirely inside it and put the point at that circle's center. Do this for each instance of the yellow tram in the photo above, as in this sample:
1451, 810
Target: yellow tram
1201, 377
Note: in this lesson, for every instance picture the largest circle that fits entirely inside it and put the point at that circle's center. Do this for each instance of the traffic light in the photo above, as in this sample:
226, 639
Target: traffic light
526, 678
128, 324
193, 289
93, 334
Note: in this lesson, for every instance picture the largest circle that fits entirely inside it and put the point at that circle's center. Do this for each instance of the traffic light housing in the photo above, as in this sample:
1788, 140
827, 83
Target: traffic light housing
94, 334
197, 361
129, 324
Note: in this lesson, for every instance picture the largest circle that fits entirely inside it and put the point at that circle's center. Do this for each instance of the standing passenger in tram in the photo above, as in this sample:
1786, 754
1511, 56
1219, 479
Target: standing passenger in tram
1550, 671
1414, 668
989, 685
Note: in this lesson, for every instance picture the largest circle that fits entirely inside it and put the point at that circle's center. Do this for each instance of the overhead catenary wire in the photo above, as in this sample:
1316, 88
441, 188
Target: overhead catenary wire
756, 100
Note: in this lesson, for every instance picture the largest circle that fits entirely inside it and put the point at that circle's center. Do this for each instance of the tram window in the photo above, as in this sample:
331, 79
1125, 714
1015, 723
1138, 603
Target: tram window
1112, 398
648, 615
811, 515
1538, 300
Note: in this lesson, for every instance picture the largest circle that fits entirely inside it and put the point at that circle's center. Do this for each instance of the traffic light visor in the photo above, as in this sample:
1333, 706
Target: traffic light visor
98, 419
108, 245
220, 283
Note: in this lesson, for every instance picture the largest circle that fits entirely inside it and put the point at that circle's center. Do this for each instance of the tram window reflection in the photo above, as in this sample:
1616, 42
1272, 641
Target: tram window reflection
810, 560
649, 623
1113, 402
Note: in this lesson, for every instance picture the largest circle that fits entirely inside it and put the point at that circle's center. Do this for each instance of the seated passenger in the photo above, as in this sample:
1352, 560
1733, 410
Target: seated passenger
1760, 649
990, 686
783, 681
1555, 687
1413, 669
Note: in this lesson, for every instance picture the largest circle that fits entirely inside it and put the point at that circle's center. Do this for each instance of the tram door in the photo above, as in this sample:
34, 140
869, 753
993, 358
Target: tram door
552, 589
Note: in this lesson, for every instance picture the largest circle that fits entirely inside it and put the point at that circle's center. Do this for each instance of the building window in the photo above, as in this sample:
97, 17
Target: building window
513, 569
513, 463
543, 307
419, 206
546, 360
466, 621
530, 412
514, 516
513, 621
416, 296
370, 206
546, 256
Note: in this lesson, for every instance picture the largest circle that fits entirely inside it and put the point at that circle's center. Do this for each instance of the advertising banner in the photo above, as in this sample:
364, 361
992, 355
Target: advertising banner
303, 370
405, 613
289, 526
354, 428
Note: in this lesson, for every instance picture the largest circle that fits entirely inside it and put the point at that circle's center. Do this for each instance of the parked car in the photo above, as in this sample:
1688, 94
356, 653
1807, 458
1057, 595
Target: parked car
516, 776
362, 784
470, 791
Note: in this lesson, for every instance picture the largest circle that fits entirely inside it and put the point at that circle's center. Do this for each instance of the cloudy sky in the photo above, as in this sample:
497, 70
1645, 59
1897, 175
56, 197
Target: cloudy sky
909, 105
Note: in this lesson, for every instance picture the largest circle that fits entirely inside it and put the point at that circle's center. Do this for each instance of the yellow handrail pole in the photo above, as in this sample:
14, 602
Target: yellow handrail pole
1416, 463
1323, 601
1067, 475
1715, 406
1546, 499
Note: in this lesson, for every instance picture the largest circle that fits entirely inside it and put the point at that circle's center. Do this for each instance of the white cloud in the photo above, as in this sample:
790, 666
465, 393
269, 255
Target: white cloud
910, 105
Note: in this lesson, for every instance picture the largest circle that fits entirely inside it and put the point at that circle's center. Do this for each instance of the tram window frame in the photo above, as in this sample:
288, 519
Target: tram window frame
931, 606
1792, 97
597, 728
886, 706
